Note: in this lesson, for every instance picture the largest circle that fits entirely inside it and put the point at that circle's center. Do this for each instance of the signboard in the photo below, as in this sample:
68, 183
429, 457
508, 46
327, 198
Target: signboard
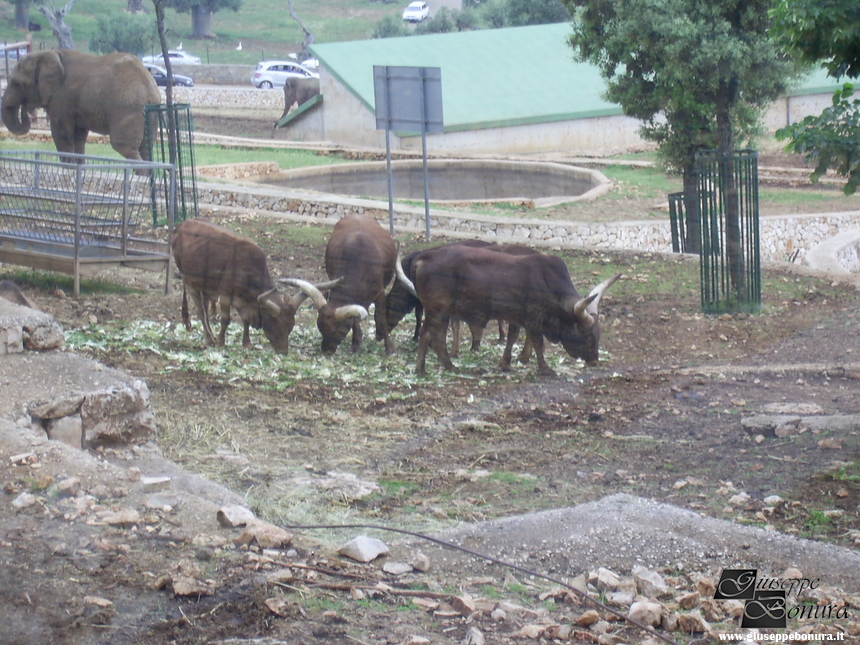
408, 99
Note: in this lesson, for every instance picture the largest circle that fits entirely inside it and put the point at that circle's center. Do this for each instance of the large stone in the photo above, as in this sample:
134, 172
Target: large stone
649, 583
646, 612
363, 548
68, 430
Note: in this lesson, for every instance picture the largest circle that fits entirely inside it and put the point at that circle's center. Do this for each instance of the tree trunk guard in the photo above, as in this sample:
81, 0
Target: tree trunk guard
176, 149
730, 258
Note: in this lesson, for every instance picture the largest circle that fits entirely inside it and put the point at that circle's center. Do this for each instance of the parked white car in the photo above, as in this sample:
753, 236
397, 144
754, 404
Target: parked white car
416, 11
274, 73
177, 57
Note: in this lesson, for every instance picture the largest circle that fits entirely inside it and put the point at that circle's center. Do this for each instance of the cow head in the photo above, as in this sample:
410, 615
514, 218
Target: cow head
277, 318
581, 338
334, 323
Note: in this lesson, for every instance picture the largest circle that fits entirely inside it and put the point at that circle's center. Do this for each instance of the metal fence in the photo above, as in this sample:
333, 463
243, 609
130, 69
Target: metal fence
76, 213
176, 150
730, 257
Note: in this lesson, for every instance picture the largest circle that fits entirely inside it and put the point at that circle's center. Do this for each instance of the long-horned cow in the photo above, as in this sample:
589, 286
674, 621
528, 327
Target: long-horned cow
533, 292
218, 264
362, 253
400, 301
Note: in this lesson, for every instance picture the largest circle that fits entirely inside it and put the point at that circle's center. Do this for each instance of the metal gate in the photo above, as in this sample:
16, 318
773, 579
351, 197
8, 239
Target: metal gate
730, 257
176, 150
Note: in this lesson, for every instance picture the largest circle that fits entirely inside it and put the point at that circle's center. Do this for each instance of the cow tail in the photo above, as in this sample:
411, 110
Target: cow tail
185, 317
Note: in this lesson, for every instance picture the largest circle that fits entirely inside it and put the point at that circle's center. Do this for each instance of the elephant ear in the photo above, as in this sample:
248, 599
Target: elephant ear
49, 75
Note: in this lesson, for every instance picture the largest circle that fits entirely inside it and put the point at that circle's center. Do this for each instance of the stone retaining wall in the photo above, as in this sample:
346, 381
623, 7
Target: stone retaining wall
780, 235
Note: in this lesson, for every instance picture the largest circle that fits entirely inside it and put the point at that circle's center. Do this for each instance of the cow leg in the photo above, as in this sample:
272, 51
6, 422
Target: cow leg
381, 319
201, 304
502, 335
433, 333
537, 343
419, 312
225, 322
513, 332
455, 337
246, 334
356, 334
526, 352
477, 335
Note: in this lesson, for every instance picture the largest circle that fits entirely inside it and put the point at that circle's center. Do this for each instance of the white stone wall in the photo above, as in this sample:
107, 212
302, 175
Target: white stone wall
780, 236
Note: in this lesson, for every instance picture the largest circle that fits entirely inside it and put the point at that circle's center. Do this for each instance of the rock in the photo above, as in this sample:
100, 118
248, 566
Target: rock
619, 598
233, 515
690, 600
588, 618
607, 580
499, 615
363, 549
693, 623
267, 536
792, 573
126, 517
97, 601
162, 502
397, 568
154, 484
417, 640
767, 424
420, 562
646, 612
69, 487
649, 583
705, 586
24, 500
530, 631
473, 637
463, 604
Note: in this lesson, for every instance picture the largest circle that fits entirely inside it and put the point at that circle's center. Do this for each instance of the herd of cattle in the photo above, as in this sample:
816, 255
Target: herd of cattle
468, 281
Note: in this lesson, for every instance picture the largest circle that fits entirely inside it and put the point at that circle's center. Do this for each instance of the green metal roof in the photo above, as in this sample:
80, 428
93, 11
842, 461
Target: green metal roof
490, 77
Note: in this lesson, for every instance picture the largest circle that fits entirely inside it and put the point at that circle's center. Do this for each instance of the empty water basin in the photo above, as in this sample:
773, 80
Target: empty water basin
460, 180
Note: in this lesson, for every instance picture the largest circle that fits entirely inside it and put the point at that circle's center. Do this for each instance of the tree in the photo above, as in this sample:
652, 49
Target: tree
442, 22
132, 33
390, 27
22, 14
201, 13
308, 39
536, 12
828, 32
57, 19
698, 75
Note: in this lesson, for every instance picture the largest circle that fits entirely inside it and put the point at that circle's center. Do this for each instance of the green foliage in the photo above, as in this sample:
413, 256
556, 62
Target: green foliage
442, 22
466, 20
213, 6
828, 32
390, 27
536, 12
132, 33
496, 14
817, 31
831, 139
697, 75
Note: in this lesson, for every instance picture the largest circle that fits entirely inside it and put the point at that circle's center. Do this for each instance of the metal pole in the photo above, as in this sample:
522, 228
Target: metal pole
424, 152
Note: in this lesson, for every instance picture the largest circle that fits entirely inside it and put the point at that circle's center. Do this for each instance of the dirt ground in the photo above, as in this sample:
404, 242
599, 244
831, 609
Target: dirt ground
659, 418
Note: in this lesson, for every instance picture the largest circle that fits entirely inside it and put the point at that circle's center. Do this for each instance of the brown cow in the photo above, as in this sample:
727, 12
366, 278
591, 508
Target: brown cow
218, 264
400, 301
530, 291
363, 254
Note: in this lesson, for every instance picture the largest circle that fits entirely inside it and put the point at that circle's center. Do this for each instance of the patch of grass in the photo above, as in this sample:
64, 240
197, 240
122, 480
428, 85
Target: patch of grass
818, 522
848, 473
398, 488
34, 279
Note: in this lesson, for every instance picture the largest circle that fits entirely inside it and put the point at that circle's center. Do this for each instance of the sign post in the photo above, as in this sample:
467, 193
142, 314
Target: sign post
408, 99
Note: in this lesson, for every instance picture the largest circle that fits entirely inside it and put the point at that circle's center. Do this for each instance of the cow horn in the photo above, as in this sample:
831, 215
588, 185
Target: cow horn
268, 305
401, 275
309, 290
350, 311
597, 293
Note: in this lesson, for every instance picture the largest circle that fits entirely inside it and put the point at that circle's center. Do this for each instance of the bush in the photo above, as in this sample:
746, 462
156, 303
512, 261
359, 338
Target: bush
390, 27
132, 33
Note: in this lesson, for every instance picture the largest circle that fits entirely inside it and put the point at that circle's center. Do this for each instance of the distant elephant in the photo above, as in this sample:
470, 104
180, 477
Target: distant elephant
299, 90
81, 93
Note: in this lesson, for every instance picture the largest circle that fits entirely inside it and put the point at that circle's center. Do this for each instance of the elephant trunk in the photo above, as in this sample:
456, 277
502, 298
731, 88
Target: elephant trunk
16, 118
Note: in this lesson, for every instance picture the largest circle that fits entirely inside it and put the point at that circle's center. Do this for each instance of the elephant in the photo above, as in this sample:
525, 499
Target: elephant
299, 90
81, 93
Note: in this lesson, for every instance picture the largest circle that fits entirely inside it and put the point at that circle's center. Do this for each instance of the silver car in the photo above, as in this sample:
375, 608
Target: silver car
274, 73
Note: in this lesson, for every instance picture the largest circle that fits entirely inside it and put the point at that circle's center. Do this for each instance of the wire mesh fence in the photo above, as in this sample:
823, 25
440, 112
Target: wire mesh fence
63, 211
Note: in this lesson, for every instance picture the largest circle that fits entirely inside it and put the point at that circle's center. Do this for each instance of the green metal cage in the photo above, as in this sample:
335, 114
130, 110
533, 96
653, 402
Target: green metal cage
730, 255
170, 140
